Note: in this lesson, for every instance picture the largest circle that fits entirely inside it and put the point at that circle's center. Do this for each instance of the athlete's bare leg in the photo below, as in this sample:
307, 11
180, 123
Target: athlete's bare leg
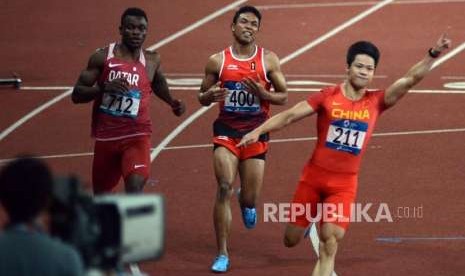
330, 235
251, 173
225, 165
134, 183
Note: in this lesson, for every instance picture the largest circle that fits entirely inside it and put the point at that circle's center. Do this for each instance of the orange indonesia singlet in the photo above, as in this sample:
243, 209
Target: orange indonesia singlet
241, 111
344, 127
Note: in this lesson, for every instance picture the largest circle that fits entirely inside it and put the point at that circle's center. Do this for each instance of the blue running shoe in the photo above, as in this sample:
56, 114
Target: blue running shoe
249, 216
220, 264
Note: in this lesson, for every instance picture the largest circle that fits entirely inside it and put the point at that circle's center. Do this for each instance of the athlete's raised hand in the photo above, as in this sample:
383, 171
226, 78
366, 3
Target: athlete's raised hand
443, 43
120, 85
215, 93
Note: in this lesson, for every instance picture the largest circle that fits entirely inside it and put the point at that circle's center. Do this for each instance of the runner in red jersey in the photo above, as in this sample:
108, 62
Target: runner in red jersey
239, 79
347, 114
119, 80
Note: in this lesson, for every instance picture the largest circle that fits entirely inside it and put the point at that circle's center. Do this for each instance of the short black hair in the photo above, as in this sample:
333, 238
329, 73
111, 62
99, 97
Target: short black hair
133, 12
246, 9
25, 188
362, 47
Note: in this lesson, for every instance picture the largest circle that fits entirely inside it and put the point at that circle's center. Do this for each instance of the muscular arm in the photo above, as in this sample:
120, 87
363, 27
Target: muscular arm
85, 89
399, 88
159, 84
279, 121
160, 87
277, 79
210, 90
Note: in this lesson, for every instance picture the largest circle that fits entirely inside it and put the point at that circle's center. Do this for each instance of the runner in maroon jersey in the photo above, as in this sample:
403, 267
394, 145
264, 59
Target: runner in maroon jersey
239, 79
119, 80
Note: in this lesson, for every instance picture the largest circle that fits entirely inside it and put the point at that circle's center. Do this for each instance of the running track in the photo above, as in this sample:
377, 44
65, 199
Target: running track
49, 44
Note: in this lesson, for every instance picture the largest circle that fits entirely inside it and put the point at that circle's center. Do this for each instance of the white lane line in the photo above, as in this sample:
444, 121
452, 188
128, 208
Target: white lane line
350, 4
285, 140
196, 25
45, 87
33, 113
417, 132
308, 83
418, 239
449, 55
338, 76
183, 75
199, 146
313, 138
310, 89
336, 30
452, 89
429, 91
327, 76
415, 91
315, 5
39, 109
54, 156
455, 85
428, 2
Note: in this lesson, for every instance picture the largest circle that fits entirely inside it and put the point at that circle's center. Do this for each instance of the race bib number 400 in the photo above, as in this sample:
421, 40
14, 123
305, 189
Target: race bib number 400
121, 104
346, 135
239, 100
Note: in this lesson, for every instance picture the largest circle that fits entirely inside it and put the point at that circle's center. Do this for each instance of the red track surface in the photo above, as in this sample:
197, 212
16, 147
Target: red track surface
49, 44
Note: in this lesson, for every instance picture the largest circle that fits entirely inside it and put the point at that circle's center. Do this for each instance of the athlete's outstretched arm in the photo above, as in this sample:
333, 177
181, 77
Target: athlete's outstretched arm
85, 89
161, 89
274, 73
210, 90
399, 88
279, 121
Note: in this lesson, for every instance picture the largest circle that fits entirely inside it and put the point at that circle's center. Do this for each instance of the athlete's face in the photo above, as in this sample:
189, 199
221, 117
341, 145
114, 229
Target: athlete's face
361, 71
133, 31
245, 28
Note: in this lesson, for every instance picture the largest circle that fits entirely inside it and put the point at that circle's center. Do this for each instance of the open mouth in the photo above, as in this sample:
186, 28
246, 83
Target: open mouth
247, 33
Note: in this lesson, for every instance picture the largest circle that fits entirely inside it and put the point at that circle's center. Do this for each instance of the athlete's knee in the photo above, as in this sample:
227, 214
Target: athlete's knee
328, 245
330, 236
224, 190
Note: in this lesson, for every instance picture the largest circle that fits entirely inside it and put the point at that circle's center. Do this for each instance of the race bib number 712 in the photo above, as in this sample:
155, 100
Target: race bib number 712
121, 104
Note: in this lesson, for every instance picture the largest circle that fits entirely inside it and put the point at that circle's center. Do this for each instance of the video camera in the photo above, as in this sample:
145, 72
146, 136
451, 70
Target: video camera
110, 230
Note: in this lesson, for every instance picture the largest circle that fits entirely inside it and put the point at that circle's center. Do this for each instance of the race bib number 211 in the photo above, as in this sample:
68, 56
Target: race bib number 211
346, 135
